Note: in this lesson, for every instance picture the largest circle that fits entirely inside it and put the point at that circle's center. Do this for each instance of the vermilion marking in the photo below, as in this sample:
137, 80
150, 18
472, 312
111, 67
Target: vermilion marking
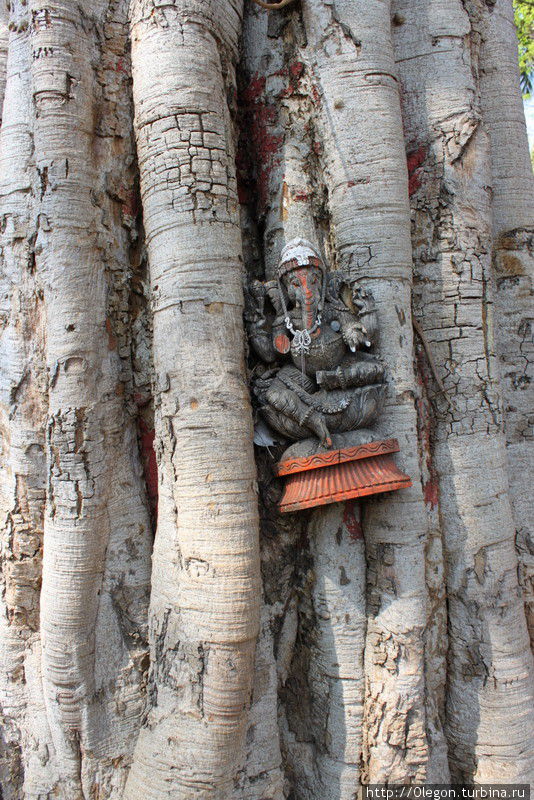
431, 492
259, 144
281, 343
302, 277
351, 521
415, 159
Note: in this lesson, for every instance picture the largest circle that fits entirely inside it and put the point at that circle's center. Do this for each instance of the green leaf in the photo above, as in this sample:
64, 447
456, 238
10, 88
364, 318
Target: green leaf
524, 20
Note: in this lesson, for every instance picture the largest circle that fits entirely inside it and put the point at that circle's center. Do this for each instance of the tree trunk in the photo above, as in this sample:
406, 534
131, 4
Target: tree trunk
165, 632
513, 267
453, 298
205, 585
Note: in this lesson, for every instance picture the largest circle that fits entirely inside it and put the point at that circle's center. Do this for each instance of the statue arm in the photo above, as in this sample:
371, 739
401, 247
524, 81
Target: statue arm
260, 336
262, 342
358, 319
358, 325
353, 331
357, 373
355, 309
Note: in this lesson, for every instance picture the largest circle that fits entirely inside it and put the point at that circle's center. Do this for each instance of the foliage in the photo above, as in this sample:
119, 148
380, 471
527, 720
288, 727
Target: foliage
524, 20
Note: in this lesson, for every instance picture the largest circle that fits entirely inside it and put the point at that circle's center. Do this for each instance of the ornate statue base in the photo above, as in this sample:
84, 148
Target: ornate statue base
330, 476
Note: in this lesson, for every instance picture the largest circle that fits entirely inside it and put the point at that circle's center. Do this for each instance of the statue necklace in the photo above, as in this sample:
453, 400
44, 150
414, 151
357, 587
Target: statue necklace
301, 338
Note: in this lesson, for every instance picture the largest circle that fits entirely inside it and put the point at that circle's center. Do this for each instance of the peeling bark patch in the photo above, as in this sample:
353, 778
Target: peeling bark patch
424, 429
22, 552
343, 579
112, 341
480, 564
69, 480
41, 19
79, 429
75, 365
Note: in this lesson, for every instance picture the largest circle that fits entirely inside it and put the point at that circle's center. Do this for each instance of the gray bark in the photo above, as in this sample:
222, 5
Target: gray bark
512, 273
205, 579
453, 298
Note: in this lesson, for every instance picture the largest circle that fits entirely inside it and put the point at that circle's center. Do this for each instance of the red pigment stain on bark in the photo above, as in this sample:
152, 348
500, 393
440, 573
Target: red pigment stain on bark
112, 341
120, 66
415, 158
258, 144
150, 465
301, 196
431, 492
351, 521
141, 400
130, 207
296, 69
293, 73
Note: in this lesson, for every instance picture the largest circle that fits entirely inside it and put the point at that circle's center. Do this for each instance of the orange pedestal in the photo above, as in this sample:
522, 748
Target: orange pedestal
341, 475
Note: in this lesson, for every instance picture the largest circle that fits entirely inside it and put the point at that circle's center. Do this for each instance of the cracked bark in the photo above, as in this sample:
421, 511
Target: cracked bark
489, 661
68, 431
95, 502
370, 214
23, 415
4, 41
512, 273
205, 580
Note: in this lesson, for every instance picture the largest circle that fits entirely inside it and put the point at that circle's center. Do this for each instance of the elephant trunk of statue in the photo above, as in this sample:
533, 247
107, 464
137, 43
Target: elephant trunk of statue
308, 307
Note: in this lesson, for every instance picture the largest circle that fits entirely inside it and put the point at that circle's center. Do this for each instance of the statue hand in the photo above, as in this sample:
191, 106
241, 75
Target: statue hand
324, 435
273, 293
327, 379
355, 335
316, 422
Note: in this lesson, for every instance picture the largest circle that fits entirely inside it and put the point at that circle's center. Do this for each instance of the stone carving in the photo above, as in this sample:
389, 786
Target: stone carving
319, 385
313, 331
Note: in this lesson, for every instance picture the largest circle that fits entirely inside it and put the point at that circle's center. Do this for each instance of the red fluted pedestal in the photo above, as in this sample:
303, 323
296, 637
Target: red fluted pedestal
341, 475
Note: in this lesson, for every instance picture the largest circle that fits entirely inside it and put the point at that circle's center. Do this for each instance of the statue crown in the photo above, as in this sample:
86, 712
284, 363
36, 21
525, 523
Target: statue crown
299, 253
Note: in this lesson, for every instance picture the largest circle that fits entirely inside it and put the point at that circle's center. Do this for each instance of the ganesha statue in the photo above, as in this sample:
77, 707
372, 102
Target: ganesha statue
321, 378
320, 386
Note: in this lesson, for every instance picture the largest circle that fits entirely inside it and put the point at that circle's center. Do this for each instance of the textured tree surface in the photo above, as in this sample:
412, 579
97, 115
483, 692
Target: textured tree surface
165, 633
